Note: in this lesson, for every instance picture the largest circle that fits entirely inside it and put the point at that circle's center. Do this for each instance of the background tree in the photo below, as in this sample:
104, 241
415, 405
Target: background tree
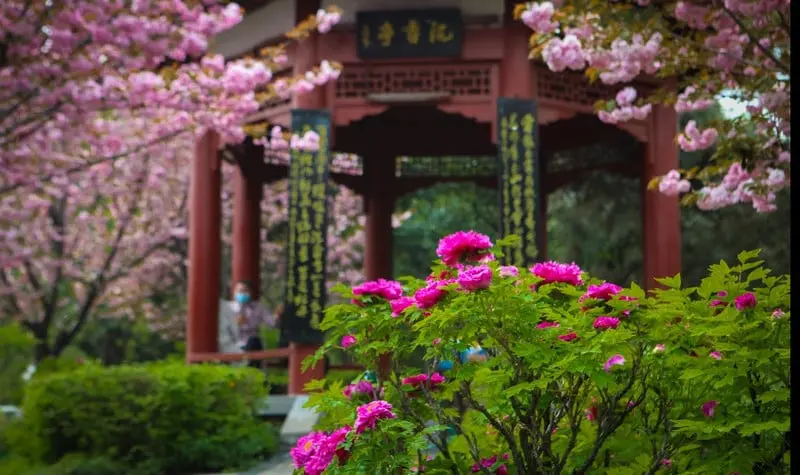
739, 49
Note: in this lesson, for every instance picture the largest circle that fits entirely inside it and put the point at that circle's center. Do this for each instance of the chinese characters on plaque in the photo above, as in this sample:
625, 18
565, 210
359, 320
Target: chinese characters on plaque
519, 172
409, 33
308, 216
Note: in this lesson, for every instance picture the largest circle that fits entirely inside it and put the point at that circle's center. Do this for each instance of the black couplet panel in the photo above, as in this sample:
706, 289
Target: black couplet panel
308, 225
519, 172
438, 32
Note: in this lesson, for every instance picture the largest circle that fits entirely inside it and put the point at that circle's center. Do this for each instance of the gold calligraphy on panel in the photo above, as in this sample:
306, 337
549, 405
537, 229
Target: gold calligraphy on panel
307, 229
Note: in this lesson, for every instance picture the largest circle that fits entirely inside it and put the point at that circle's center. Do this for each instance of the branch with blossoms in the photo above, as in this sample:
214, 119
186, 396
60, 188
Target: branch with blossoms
107, 62
713, 48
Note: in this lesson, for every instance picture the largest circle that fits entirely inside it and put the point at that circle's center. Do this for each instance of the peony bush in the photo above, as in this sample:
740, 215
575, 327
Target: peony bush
547, 370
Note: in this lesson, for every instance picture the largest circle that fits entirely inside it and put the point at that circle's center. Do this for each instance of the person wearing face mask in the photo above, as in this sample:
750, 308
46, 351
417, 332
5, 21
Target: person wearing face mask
252, 314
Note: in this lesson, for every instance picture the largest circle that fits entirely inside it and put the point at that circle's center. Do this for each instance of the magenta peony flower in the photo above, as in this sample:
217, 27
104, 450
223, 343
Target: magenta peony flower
708, 408
305, 448
546, 324
328, 448
604, 291
400, 304
370, 413
552, 271
568, 337
716, 303
436, 379
745, 301
475, 278
616, 360
388, 289
428, 296
466, 245
666, 462
361, 387
605, 322
489, 463
348, 341
591, 413
508, 271
421, 379
716, 355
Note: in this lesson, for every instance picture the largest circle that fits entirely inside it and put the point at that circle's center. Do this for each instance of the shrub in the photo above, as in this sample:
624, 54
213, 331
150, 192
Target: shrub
159, 418
550, 371
16, 353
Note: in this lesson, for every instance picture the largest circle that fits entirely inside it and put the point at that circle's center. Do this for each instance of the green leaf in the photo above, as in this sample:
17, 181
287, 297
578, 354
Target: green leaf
746, 256
673, 282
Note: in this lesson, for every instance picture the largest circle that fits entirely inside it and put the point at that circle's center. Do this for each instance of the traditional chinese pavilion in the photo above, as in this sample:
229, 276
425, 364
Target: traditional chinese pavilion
431, 91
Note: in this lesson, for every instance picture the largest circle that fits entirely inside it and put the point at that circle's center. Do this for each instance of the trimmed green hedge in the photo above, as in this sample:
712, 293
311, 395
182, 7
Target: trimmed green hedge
164, 418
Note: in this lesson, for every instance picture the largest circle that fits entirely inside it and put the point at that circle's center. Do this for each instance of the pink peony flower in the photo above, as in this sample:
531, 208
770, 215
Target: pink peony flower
708, 408
604, 291
616, 360
745, 301
328, 449
546, 324
508, 271
466, 245
659, 348
716, 303
348, 341
552, 271
305, 448
370, 413
778, 313
427, 297
417, 381
475, 278
716, 355
400, 304
387, 289
605, 322
568, 337
666, 462
361, 387
436, 341
489, 463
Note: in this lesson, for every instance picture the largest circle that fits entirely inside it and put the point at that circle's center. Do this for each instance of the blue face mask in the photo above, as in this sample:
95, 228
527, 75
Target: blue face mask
242, 297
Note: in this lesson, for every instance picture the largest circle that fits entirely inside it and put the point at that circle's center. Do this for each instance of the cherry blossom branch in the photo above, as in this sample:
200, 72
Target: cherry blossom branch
761, 47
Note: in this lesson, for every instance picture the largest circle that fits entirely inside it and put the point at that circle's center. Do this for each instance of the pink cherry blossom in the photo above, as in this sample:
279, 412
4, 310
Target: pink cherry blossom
672, 184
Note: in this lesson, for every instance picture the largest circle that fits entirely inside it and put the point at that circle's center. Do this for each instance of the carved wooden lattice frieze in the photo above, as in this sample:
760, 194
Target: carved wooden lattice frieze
571, 87
459, 80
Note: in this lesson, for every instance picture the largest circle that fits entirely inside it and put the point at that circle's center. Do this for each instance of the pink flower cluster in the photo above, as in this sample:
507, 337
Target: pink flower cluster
567, 53
475, 278
370, 413
422, 379
693, 139
362, 387
604, 291
672, 184
685, 103
468, 246
387, 289
538, 16
555, 272
740, 186
605, 322
625, 109
314, 452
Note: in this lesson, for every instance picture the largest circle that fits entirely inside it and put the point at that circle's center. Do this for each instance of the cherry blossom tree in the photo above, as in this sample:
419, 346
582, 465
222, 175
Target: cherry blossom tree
710, 48
99, 104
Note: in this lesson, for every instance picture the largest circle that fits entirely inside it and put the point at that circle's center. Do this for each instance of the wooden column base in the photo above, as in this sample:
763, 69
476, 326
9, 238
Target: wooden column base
297, 378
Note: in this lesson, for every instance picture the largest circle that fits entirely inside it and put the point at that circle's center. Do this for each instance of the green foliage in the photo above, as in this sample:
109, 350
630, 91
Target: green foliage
550, 405
123, 340
438, 211
16, 353
154, 419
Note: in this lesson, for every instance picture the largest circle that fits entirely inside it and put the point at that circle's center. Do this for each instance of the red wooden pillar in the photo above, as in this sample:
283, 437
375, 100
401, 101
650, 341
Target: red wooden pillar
379, 200
662, 218
518, 80
202, 324
305, 58
247, 230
